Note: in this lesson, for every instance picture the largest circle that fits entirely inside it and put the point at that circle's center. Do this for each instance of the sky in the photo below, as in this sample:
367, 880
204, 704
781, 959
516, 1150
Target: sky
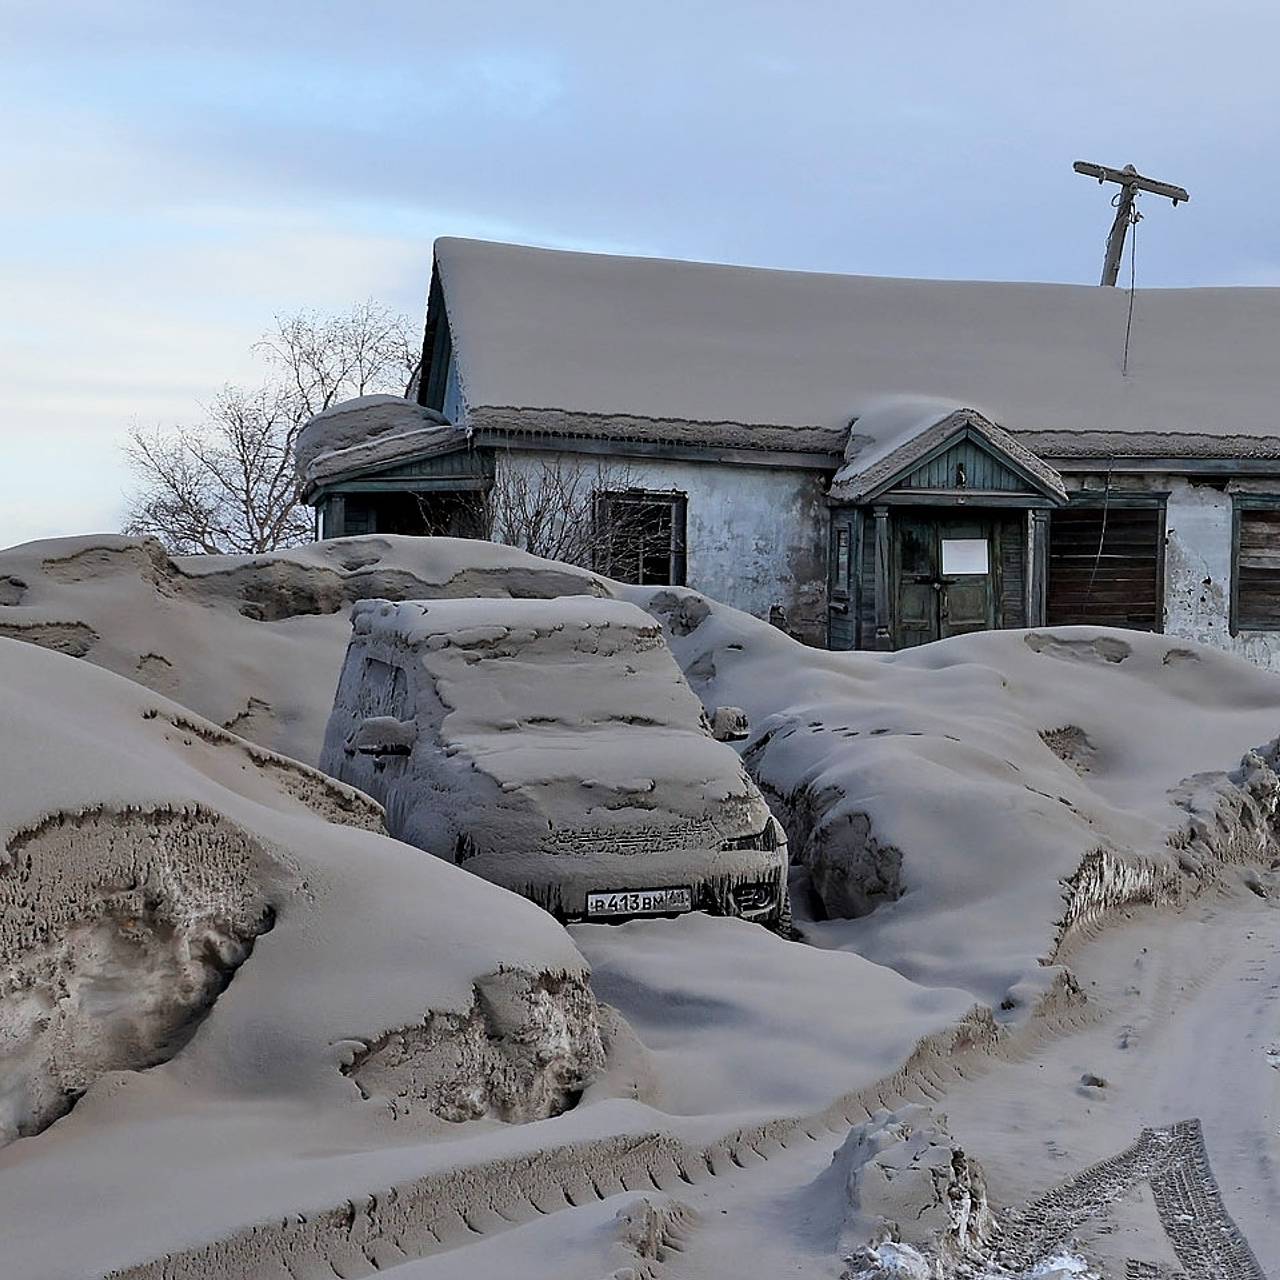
174, 174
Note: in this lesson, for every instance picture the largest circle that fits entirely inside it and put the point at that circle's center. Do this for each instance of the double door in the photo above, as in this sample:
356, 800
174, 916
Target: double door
944, 576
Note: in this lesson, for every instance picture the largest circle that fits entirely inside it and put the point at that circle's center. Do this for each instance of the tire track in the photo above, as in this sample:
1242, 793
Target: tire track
1174, 1162
443, 1211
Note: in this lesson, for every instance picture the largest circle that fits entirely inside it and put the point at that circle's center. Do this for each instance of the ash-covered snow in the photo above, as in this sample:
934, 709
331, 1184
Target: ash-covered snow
540, 329
900, 431
905, 1182
369, 432
972, 779
923, 792
273, 1024
738, 1020
200, 940
254, 643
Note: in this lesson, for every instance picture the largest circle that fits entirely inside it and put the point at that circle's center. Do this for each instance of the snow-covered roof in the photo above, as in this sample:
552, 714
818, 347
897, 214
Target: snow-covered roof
367, 433
590, 344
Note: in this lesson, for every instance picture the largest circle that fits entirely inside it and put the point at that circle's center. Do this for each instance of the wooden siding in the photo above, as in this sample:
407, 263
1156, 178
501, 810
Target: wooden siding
1106, 565
982, 471
842, 580
358, 517
1011, 564
866, 594
462, 462
1257, 569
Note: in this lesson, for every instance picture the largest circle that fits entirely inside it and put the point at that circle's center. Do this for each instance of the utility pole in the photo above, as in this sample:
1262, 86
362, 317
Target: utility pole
1131, 182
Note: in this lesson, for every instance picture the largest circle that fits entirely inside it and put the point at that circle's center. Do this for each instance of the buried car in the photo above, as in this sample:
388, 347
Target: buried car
553, 747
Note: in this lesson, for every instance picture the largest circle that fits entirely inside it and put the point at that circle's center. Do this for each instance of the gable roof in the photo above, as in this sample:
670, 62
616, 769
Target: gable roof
877, 469
577, 343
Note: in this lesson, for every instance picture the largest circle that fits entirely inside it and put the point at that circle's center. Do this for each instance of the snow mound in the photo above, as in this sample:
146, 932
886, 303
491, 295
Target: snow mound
370, 432
907, 1183
967, 804
740, 1021
253, 643
525, 1049
200, 939
972, 801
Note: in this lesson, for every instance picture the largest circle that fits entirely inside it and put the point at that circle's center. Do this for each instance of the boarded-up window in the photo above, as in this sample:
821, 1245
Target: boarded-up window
1257, 569
640, 536
1106, 565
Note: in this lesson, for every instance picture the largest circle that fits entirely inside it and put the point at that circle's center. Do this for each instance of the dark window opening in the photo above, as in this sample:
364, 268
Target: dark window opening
640, 536
429, 515
1256, 577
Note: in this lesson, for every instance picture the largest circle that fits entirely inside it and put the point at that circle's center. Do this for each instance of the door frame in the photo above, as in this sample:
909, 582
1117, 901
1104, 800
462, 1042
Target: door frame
944, 525
878, 523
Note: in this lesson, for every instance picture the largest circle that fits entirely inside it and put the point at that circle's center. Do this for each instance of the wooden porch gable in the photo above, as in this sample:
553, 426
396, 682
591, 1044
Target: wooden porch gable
962, 481
963, 457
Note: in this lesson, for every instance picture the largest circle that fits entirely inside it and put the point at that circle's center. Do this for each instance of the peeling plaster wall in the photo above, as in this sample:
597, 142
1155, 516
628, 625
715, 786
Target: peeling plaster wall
1197, 593
757, 536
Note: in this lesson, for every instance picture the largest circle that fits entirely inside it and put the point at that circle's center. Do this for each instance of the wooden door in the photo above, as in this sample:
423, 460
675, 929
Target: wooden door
967, 570
917, 585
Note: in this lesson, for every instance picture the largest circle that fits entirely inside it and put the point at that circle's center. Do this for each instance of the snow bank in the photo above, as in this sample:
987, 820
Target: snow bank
905, 1182
973, 799
190, 945
739, 1021
291, 1045
995, 774
253, 643
1024, 780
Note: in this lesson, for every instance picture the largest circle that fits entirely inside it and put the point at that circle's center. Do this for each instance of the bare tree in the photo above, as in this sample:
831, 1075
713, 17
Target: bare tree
227, 484
579, 512
327, 358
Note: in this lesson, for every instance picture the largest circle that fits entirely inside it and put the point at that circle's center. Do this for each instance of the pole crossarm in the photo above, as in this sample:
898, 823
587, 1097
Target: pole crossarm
1130, 182
1130, 177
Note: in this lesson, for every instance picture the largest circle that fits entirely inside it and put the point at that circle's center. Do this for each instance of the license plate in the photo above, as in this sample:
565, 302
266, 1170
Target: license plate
640, 902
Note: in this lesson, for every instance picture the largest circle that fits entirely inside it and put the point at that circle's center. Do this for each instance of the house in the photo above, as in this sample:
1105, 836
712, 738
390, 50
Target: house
874, 463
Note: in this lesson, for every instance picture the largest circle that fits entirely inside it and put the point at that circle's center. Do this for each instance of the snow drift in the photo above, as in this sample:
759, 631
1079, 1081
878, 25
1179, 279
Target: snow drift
970, 802
253, 643
197, 932
1027, 780
1033, 778
290, 1045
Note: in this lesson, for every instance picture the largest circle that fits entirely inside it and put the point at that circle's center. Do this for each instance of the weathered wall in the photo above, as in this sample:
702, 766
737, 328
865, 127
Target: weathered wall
1197, 565
1197, 593
757, 536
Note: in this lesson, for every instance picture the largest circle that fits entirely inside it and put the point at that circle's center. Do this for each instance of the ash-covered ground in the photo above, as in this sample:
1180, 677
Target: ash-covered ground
1028, 1025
